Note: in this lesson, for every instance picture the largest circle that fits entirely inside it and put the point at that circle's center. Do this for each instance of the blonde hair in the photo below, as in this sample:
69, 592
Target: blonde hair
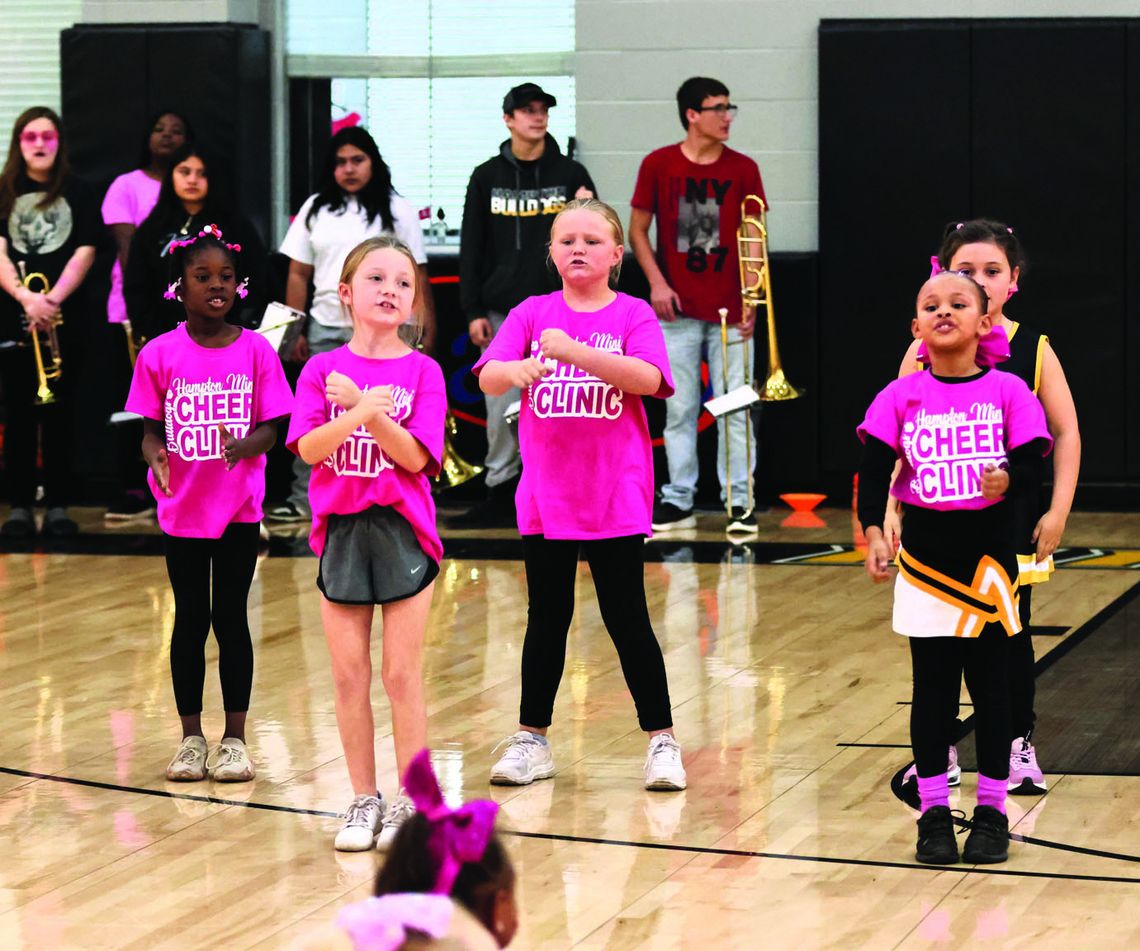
410, 333
598, 208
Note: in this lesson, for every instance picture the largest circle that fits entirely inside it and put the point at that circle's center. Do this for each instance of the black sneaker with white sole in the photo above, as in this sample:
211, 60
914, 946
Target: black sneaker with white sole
668, 517
742, 521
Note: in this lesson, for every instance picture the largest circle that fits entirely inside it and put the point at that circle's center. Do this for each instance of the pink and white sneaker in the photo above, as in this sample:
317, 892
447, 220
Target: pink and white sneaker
1025, 776
953, 770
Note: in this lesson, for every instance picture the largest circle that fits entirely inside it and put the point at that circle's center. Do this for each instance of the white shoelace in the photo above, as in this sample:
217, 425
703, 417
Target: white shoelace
225, 755
517, 744
663, 746
357, 814
400, 810
188, 755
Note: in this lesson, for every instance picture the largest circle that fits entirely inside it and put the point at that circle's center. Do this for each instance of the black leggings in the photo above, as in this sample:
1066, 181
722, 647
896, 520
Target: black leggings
28, 426
1022, 671
938, 665
618, 567
188, 562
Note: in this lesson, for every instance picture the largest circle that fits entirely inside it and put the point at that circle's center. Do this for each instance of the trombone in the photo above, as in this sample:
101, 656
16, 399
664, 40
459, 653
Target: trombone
755, 289
45, 343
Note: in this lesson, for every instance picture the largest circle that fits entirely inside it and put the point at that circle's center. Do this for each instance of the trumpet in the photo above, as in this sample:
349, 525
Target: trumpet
455, 469
45, 344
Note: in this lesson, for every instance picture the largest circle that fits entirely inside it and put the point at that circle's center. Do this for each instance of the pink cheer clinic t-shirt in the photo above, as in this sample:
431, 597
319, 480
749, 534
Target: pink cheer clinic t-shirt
587, 460
192, 390
946, 433
128, 201
359, 473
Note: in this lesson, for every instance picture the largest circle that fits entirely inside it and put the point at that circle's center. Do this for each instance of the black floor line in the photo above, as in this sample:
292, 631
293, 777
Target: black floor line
908, 794
877, 746
164, 794
588, 840
825, 859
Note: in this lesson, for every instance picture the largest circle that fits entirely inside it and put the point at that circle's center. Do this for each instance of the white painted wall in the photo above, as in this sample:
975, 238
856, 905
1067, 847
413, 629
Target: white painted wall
170, 11
633, 54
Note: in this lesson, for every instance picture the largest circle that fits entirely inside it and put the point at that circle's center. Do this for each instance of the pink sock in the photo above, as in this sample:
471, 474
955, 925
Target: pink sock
934, 791
991, 792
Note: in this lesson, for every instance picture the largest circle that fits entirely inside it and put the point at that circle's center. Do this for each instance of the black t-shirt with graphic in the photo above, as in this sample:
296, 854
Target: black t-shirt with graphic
44, 239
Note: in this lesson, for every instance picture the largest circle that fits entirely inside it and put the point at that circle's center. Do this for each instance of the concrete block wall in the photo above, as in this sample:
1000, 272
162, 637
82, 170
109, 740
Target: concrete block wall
170, 11
633, 54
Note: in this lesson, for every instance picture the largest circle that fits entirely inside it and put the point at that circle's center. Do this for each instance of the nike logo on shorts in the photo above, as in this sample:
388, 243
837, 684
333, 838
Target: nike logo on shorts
417, 568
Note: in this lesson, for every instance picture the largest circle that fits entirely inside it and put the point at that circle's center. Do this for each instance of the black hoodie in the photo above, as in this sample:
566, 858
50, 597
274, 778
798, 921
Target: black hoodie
506, 227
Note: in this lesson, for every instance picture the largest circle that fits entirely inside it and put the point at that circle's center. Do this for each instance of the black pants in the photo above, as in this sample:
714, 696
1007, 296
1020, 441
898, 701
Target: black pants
938, 665
618, 567
1022, 671
189, 562
130, 470
24, 422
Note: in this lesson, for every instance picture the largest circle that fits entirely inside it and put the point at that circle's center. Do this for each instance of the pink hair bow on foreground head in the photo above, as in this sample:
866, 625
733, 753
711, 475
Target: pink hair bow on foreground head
993, 349
457, 835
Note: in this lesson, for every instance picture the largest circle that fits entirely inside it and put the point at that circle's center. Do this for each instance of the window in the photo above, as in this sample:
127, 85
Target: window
428, 78
29, 56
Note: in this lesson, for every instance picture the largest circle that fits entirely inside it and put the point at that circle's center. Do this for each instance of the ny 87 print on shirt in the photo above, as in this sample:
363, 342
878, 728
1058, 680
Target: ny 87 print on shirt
360, 455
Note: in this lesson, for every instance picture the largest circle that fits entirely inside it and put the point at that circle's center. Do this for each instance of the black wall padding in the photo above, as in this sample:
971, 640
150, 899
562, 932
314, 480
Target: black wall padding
1048, 157
1035, 122
1131, 414
310, 129
894, 134
114, 77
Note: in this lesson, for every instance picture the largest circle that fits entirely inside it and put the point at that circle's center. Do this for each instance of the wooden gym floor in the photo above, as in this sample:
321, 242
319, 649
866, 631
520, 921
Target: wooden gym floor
789, 693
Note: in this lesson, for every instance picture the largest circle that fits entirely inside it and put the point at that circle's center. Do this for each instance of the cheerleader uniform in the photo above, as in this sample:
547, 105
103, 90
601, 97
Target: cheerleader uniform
956, 593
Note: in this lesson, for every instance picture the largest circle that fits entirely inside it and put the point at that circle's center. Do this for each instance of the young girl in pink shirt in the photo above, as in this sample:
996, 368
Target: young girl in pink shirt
584, 357
211, 395
369, 419
969, 440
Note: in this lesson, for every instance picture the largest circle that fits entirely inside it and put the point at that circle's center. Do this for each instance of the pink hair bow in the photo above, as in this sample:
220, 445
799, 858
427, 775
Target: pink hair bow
457, 835
381, 924
993, 349
935, 267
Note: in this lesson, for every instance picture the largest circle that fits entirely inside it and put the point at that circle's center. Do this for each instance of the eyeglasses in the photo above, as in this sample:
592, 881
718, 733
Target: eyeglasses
31, 138
722, 109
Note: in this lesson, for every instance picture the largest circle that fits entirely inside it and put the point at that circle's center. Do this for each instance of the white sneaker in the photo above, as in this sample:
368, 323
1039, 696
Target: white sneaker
189, 763
229, 762
953, 770
663, 768
525, 759
398, 813
361, 824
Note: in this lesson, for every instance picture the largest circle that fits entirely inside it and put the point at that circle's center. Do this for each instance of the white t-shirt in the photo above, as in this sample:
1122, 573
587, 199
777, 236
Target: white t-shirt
332, 235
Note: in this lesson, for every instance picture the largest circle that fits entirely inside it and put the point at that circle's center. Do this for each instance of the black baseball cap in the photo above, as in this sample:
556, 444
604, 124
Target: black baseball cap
525, 94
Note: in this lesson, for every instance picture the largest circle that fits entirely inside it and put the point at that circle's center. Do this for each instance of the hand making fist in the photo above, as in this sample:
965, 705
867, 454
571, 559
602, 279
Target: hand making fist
558, 345
339, 389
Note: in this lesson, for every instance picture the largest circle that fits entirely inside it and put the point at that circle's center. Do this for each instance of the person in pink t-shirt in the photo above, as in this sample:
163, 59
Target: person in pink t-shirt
369, 419
969, 439
211, 395
129, 199
584, 357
